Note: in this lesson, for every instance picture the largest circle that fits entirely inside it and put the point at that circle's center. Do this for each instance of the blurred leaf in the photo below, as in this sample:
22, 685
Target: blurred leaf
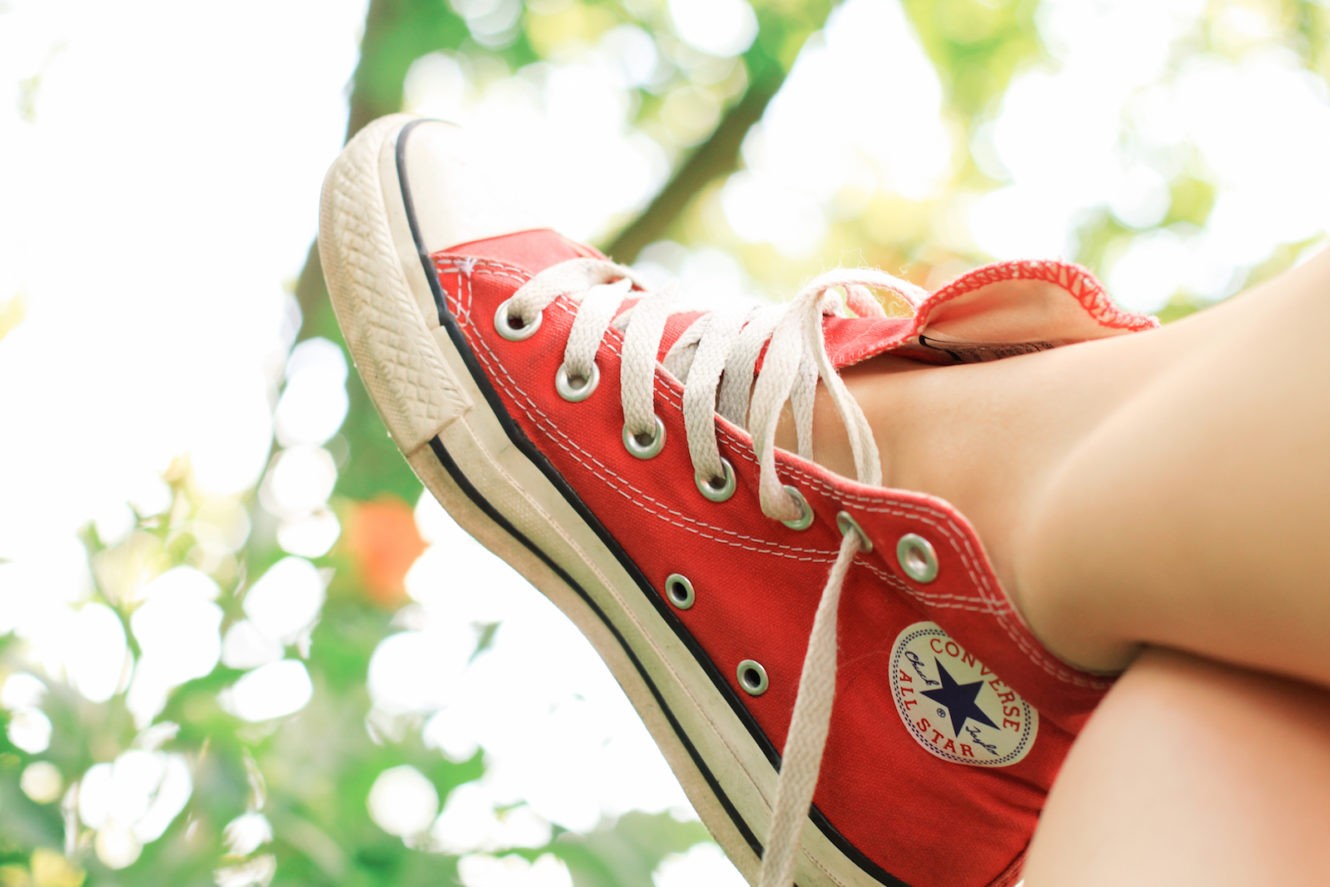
51, 869
194, 706
485, 640
343, 642
768, 61
25, 824
976, 46
1191, 199
397, 32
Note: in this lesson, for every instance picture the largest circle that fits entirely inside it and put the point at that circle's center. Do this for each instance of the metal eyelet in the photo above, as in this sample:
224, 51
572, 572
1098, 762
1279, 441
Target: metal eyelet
917, 558
805, 518
645, 446
849, 525
579, 390
717, 489
680, 591
514, 329
752, 677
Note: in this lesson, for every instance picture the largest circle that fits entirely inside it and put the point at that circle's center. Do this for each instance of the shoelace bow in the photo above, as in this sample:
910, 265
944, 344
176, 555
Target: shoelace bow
716, 359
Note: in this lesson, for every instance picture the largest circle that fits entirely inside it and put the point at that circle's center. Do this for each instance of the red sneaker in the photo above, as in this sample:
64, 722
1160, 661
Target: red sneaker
618, 450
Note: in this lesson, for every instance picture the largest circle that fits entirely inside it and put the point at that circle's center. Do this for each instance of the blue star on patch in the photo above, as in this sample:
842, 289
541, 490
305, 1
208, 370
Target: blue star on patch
959, 701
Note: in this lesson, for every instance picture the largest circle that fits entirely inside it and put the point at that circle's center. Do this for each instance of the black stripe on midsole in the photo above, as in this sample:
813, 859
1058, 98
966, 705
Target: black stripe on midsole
528, 449
493, 514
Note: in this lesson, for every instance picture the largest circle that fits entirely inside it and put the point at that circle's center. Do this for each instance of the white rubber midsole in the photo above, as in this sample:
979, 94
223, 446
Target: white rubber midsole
424, 390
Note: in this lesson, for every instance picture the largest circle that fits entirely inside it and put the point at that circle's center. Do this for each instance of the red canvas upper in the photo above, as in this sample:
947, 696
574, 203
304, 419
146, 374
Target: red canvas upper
924, 818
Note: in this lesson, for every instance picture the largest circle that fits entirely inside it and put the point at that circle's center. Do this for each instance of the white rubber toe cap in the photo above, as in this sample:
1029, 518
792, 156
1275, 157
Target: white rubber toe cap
457, 196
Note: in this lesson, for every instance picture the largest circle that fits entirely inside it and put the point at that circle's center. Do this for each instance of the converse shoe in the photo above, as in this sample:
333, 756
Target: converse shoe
829, 665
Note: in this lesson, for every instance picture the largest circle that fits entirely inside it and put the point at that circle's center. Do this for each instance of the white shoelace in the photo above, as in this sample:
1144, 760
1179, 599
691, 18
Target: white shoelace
716, 358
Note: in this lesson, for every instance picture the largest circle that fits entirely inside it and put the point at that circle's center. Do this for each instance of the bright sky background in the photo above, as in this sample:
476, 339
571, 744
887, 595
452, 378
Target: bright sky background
158, 200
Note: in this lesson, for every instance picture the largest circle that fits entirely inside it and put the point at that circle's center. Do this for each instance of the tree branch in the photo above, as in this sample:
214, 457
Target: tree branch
717, 156
397, 32
780, 39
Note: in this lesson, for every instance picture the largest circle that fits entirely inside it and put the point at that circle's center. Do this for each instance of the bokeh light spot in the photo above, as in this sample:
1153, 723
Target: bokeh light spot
403, 802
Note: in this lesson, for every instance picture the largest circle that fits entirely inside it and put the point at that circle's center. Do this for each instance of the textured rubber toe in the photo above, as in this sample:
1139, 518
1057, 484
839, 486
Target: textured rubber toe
375, 245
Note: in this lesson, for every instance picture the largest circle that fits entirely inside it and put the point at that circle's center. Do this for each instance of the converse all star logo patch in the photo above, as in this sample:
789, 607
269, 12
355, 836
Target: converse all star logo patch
953, 705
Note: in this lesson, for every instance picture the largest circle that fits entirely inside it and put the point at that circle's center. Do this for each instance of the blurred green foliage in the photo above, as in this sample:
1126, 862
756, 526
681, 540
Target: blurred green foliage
309, 774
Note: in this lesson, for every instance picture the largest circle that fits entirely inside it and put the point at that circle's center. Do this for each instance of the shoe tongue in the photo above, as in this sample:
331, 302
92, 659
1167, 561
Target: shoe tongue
849, 339
993, 312
852, 339
531, 251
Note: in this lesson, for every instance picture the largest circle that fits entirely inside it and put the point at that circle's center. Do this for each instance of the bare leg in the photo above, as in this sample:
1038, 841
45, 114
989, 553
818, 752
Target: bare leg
1197, 515
1167, 488
1192, 772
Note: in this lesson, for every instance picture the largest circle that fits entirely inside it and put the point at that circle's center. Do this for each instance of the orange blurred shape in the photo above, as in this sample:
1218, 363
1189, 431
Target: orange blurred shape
383, 542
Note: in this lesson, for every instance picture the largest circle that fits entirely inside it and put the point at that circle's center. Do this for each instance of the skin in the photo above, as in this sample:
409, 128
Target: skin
1158, 503
1136, 490
1200, 507
1192, 772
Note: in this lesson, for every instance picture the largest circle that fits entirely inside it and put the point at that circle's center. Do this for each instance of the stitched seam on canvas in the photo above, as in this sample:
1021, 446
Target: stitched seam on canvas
1076, 281
625, 488
992, 601
899, 585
